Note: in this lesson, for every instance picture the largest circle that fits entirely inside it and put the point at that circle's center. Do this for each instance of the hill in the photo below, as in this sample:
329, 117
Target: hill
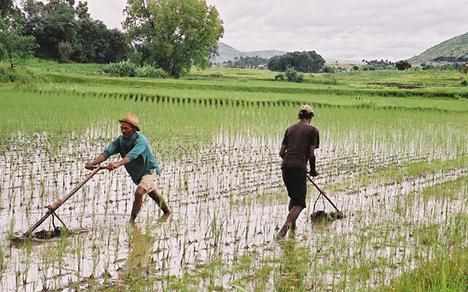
226, 53
454, 50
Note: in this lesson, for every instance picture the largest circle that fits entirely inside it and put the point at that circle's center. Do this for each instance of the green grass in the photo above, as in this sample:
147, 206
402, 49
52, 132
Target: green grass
360, 115
454, 47
446, 272
247, 92
439, 90
176, 123
288, 271
44, 66
397, 173
447, 190
20, 76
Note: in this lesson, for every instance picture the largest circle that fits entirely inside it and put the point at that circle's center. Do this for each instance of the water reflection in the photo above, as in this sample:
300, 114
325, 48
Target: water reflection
139, 261
293, 265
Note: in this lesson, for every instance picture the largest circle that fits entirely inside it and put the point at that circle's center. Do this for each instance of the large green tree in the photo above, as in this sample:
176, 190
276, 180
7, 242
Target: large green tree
5, 7
65, 32
53, 26
307, 61
173, 34
95, 43
14, 45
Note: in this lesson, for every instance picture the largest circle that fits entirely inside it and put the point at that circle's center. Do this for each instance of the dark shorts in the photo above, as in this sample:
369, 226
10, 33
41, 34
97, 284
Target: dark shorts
295, 180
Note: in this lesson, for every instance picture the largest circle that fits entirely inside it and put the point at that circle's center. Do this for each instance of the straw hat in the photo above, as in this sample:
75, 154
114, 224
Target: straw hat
131, 119
306, 109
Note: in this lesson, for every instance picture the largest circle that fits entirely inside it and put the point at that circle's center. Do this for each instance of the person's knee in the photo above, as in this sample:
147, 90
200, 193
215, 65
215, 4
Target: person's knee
155, 194
139, 192
298, 207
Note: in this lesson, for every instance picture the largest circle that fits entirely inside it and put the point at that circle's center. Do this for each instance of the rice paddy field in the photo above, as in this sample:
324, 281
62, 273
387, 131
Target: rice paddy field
393, 158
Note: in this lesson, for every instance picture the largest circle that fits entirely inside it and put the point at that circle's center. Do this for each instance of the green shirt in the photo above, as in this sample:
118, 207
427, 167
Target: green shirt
137, 149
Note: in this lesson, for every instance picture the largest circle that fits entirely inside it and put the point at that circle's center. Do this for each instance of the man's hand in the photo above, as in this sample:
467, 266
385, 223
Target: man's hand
313, 173
112, 166
90, 165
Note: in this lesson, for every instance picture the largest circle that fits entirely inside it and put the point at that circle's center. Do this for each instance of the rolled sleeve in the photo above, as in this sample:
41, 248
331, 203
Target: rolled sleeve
314, 138
112, 149
139, 148
317, 140
285, 138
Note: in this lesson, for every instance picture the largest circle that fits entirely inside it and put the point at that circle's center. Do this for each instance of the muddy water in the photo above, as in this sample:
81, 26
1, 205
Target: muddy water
212, 193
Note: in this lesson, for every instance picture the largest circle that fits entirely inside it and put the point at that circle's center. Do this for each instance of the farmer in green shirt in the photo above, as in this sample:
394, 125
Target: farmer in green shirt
138, 160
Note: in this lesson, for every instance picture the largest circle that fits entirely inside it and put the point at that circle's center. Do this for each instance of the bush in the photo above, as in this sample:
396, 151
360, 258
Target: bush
446, 67
403, 65
122, 69
464, 83
299, 78
216, 75
279, 76
328, 69
425, 66
18, 75
148, 71
129, 69
464, 68
293, 76
7, 75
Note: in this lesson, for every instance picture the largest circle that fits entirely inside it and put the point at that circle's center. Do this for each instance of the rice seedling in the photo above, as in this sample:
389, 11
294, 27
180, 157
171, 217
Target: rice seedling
394, 159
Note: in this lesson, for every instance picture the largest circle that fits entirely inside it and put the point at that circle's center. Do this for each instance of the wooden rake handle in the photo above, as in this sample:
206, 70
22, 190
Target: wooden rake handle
60, 202
323, 193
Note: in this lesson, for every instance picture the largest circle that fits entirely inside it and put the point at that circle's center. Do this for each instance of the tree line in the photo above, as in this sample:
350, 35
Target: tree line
173, 35
246, 62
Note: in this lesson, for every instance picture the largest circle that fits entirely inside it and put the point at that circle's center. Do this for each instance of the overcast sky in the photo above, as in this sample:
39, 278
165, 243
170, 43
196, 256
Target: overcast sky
336, 29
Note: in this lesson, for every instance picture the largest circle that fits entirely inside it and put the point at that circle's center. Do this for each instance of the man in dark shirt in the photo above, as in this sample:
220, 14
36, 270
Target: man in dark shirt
298, 146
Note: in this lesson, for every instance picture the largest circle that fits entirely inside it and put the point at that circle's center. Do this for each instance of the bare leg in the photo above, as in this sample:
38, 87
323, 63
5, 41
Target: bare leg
292, 217
293, 225
157, 197
137, 203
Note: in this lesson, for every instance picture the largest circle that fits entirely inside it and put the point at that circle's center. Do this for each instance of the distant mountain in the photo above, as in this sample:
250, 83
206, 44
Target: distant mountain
226, 53
449, 51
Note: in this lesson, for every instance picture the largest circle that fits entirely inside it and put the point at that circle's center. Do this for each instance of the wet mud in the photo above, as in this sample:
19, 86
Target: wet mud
323, 216
44, 236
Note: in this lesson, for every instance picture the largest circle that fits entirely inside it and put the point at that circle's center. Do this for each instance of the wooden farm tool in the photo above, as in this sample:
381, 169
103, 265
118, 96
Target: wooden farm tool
60, 202
323, 194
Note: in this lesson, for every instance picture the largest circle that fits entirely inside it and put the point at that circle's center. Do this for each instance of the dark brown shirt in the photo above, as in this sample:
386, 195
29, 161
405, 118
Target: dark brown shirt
298, 139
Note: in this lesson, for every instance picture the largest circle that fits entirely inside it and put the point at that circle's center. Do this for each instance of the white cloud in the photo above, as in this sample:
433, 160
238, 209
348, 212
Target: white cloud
109, 11
339, 29
352, 29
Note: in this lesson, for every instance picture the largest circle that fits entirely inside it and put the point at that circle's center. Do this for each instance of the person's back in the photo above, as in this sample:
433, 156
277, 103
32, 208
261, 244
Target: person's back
298, 139
298, 146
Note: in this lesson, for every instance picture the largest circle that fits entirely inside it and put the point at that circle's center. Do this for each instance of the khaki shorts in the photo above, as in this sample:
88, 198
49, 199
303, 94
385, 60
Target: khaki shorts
148, 182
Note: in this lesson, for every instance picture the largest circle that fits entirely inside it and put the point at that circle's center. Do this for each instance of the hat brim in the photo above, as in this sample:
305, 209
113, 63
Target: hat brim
125, 121
306, 113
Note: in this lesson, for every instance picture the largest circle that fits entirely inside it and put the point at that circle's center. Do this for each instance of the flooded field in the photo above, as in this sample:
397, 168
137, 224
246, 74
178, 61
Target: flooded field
228, 203
392, 159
